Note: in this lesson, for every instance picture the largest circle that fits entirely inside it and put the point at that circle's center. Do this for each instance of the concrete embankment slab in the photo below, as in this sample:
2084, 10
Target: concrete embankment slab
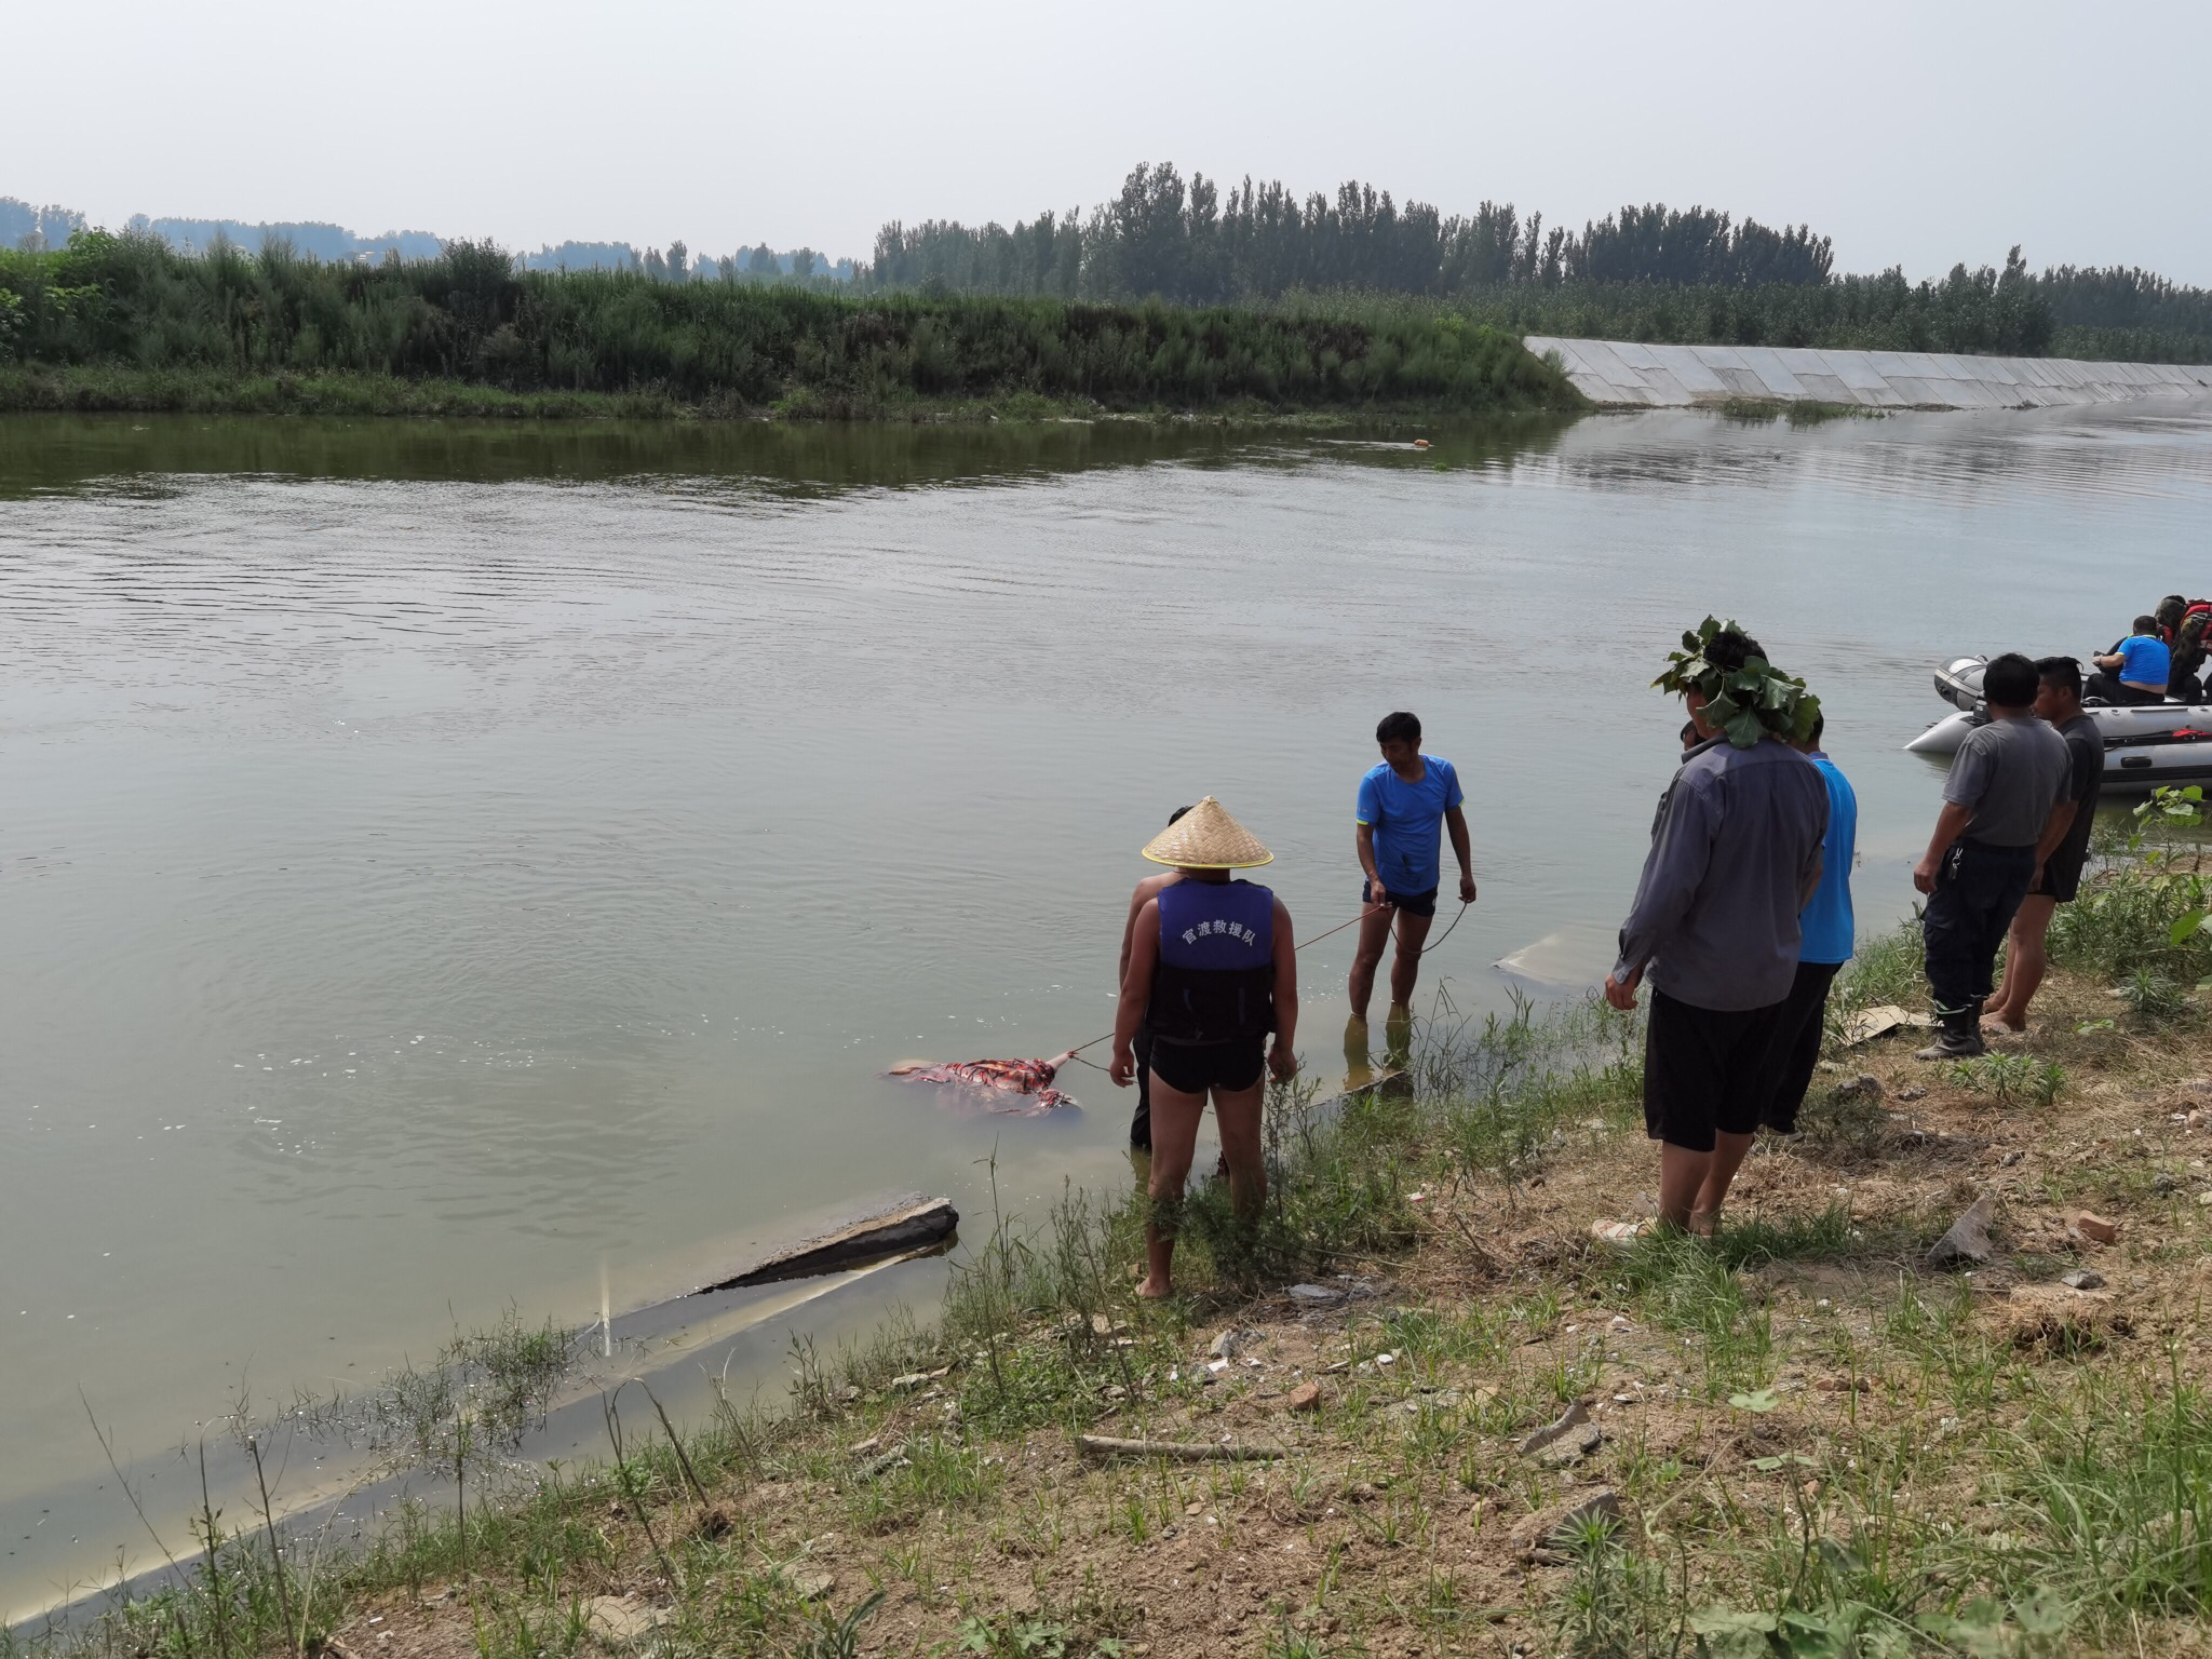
1621, 373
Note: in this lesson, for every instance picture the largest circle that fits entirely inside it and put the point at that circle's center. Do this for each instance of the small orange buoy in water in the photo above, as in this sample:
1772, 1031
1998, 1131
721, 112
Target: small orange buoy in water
1420, 443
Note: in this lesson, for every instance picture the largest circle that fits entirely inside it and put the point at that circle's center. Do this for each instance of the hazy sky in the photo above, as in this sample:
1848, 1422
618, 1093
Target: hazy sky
1917, 133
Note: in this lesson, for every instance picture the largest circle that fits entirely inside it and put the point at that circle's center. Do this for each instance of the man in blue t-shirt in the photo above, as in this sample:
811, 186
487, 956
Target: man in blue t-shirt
1405, 804
2137, 669
1827, 932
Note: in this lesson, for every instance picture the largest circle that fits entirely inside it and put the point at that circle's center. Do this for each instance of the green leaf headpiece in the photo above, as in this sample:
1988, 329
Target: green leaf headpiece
1747, 703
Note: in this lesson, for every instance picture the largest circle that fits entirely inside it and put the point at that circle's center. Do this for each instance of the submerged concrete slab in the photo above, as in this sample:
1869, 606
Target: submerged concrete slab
1629, 375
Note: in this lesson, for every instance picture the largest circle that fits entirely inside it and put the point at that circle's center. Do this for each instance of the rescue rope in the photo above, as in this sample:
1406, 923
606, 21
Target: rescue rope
1365, 912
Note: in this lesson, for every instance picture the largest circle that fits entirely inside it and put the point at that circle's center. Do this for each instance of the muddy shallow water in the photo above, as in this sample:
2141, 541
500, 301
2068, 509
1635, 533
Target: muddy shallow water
442, 866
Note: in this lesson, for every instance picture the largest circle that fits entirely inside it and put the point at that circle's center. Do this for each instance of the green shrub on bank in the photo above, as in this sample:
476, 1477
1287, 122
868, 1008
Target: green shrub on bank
2140, 921
131, 304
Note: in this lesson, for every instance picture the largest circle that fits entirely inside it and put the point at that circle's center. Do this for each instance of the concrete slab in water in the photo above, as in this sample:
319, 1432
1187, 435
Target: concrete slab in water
1631, 375
1580, 954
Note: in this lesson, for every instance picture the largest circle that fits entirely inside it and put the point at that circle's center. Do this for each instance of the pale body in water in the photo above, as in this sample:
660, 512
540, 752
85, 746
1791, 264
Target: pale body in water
1029, 1078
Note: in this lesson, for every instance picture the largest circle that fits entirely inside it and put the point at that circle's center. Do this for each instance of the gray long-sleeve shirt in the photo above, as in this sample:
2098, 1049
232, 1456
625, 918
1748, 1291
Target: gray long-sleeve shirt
1735, 852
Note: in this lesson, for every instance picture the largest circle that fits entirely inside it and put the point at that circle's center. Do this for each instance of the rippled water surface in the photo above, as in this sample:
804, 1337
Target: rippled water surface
436, 862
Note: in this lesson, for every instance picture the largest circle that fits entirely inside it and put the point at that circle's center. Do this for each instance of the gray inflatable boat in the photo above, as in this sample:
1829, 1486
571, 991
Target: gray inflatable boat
2146, 745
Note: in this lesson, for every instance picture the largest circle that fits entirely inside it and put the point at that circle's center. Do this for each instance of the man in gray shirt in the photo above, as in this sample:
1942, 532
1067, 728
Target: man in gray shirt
2005, 781
1735, 853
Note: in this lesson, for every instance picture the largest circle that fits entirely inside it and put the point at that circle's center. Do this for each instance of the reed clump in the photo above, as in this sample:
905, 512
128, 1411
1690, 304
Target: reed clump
126, 321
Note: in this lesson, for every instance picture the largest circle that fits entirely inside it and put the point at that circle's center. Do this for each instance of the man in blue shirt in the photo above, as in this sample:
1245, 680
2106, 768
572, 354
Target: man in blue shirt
1404, 806
2137, 670
1824, 945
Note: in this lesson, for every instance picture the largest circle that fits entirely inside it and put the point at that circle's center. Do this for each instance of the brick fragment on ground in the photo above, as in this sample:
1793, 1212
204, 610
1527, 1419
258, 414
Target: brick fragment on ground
2094, 1227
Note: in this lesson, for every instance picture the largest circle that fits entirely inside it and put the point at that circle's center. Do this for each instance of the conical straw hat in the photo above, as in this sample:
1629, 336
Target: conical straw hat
1207, 838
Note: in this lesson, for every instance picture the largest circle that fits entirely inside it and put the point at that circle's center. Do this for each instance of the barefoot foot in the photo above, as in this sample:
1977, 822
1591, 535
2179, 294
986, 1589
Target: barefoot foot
1155, 1290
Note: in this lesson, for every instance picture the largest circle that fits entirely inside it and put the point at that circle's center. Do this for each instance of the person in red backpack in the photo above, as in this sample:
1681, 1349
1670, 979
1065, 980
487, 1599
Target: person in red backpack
2182, 624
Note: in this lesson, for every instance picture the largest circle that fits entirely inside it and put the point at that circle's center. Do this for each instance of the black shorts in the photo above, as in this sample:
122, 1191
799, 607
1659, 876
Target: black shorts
1192, 1068
1704, 1069
1140, 1121
1795, 1050
2062, 873
1413, 904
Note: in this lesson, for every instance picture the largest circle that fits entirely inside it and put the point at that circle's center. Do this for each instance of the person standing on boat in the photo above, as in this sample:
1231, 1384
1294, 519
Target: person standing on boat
1404, 807
1212, 969
1997, 800
1828, 933
1141, 1122
2135, 672
2061, 851
1735, 855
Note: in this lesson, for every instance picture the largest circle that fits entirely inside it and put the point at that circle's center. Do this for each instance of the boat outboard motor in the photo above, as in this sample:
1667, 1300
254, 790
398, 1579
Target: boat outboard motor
1959, 682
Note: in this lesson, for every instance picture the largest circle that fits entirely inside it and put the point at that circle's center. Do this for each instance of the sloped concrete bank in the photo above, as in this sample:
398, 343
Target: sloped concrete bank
1622, 373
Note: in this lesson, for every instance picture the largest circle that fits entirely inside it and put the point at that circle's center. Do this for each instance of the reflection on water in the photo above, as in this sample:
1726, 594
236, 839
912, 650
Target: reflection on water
802, 460
439, 858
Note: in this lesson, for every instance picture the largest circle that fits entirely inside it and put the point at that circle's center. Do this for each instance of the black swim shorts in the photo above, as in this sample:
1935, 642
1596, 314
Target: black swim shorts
2061, 872
1413, 904
1704, 1069
1140, 1122
1794, 1052
1192, 1068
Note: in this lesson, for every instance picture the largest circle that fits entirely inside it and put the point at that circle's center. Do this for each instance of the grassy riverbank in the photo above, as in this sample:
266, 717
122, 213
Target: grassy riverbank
1802, 1441
1799, 1427
126, 323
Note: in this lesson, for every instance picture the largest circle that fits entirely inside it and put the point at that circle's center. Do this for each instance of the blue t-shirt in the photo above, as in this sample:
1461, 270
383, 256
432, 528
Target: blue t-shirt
1826, 921
2145, 660
1408, 822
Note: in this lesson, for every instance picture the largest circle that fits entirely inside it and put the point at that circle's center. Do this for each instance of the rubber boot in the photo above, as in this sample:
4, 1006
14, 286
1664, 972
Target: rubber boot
1959, 1035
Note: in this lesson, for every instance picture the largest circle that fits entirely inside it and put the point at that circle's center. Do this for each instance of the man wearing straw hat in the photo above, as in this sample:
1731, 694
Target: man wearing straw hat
1212, 969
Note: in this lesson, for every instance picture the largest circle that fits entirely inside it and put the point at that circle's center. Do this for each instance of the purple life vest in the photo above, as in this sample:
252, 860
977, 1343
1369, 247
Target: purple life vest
1216, 978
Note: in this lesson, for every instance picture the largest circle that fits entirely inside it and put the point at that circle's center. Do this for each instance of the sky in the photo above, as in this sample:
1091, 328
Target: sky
1918, 133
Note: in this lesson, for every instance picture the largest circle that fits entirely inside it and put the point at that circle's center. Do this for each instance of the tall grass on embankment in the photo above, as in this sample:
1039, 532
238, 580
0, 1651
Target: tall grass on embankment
126, 322
1806, 1442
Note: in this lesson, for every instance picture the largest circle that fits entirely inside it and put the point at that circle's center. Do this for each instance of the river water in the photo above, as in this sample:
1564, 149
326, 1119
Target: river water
441, 865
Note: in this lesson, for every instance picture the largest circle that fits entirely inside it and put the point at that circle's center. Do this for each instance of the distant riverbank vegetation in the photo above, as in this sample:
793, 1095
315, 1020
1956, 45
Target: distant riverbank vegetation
1649, 273
1176, 296
128, 322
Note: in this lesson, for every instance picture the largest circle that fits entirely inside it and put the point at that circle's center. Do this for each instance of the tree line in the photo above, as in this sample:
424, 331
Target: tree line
1652, 273
1193, 245
676, 263
1649, 273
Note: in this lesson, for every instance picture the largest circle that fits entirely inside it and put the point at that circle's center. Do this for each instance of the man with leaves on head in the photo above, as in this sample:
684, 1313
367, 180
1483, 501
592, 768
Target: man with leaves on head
1735, 854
